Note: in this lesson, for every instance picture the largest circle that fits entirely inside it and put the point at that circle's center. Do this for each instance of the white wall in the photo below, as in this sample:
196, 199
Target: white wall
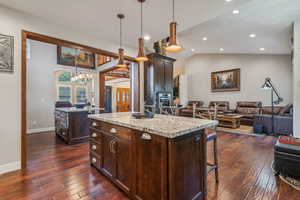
296, 72
11, 23
254, 69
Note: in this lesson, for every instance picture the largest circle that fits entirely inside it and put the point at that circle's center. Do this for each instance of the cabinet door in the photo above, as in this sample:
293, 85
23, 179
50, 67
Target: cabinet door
109, 160
124, 164
159, 75
168, 76
150, 178
187, 164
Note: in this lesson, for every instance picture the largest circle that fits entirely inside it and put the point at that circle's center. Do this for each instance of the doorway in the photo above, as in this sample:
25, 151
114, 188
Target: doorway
26, 35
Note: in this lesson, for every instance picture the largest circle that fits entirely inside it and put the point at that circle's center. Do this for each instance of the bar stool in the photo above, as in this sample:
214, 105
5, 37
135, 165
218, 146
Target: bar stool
212, 137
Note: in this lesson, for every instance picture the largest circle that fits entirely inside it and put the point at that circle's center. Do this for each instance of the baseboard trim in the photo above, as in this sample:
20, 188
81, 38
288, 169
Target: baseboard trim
9, 167
38, 130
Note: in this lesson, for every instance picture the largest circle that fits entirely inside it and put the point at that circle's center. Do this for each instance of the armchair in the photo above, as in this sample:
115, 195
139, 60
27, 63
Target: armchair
188, 110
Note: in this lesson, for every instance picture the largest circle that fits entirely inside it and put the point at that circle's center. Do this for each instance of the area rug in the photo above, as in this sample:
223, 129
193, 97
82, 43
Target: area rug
295, 183
244, 130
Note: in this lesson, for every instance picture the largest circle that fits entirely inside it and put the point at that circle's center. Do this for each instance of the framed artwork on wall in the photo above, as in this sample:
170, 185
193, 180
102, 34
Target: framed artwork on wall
228, 80
6, 53
70, 56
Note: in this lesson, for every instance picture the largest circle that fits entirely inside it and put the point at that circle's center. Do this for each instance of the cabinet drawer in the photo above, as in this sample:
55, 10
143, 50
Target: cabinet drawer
95, 124
95, 147
95, 135
115, 130
95, 160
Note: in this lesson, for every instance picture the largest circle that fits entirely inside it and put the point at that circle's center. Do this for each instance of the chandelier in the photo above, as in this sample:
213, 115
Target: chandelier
83, 77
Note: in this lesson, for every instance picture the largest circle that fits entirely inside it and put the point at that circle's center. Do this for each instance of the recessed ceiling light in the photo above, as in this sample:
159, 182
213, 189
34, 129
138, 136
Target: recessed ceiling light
235, 12
221, 49
252, 35
204, 38
228, 0
192, 50
262, 49
147, 37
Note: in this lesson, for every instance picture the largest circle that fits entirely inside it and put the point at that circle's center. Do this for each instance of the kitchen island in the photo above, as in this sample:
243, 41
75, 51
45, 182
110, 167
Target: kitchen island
72, 124
163, 158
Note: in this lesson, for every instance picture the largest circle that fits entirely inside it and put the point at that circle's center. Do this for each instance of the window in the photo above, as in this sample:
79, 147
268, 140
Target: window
81, 95
64, 93
75, 92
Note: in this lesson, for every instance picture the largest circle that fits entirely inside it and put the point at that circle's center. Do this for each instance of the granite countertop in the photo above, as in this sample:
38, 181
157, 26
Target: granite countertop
74, 109
163, 125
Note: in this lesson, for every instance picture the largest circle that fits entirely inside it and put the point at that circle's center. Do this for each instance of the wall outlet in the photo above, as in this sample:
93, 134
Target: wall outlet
34, 122
43, 100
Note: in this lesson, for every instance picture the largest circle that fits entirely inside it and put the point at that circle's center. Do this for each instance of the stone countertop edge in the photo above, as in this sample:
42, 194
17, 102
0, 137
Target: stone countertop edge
156, 132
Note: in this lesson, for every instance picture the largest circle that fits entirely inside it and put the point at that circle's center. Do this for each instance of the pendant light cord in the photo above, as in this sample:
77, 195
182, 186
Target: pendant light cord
121, 43
173, 10
141, 19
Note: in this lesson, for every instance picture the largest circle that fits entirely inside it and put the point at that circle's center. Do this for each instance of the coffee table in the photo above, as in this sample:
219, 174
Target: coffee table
227, 120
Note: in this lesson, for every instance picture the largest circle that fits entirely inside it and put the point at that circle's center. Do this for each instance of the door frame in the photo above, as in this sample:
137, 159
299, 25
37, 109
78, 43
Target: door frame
52, 40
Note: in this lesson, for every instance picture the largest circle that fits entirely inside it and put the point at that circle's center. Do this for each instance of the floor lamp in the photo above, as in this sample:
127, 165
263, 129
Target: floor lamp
269, 86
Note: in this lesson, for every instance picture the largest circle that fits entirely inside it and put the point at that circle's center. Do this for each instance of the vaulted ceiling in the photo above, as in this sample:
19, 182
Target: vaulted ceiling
270, 20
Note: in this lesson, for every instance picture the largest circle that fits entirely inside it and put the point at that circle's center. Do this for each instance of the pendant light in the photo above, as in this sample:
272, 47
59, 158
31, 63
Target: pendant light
141, 54
121, 63
173, 46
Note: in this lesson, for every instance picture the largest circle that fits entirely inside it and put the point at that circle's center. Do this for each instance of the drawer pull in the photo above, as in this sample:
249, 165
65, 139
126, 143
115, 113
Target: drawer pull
113, 130
94, 124
94, 147
94, 135
63, 133
146, 136
197, 138
94, 160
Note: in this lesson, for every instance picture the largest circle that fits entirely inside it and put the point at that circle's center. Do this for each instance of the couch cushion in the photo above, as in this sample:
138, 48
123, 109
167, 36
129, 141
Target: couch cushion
286, 109
244, 110
249, 104
268, 110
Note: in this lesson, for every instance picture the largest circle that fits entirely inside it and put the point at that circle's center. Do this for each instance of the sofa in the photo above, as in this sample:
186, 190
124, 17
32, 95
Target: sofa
249, 109
223, 106
188, 110
283, 120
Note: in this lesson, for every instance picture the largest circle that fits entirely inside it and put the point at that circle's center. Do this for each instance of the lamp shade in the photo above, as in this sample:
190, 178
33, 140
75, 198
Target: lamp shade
173, 46
121, 63
266, 84
141, 54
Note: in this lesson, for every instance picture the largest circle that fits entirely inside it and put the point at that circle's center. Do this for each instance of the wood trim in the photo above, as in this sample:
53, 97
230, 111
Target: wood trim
57, 41
47, 39
101, 89
23, 102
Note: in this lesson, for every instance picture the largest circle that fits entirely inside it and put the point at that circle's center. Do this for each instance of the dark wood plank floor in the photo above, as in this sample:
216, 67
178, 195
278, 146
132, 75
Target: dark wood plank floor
60, 172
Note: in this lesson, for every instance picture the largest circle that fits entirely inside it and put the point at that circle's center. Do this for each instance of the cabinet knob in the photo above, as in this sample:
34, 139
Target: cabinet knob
94, 135
94, 124
63, 133
146, 136
94, 147
113, 130
94, 160
197, 138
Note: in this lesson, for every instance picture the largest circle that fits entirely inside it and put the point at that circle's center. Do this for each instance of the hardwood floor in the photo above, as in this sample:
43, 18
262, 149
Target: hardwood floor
60, 172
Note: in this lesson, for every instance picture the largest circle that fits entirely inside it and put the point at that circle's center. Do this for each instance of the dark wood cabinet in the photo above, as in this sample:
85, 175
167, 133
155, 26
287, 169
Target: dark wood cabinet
108, 155
124, 164
72, 127
150, 156
147, 166
158, 77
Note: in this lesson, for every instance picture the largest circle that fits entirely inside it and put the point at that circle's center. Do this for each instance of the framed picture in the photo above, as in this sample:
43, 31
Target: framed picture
228, 80
70, 56
6, 53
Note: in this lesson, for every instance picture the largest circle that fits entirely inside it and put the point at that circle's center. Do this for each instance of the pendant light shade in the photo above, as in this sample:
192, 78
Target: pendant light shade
141, 54
121, 62
173, 45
